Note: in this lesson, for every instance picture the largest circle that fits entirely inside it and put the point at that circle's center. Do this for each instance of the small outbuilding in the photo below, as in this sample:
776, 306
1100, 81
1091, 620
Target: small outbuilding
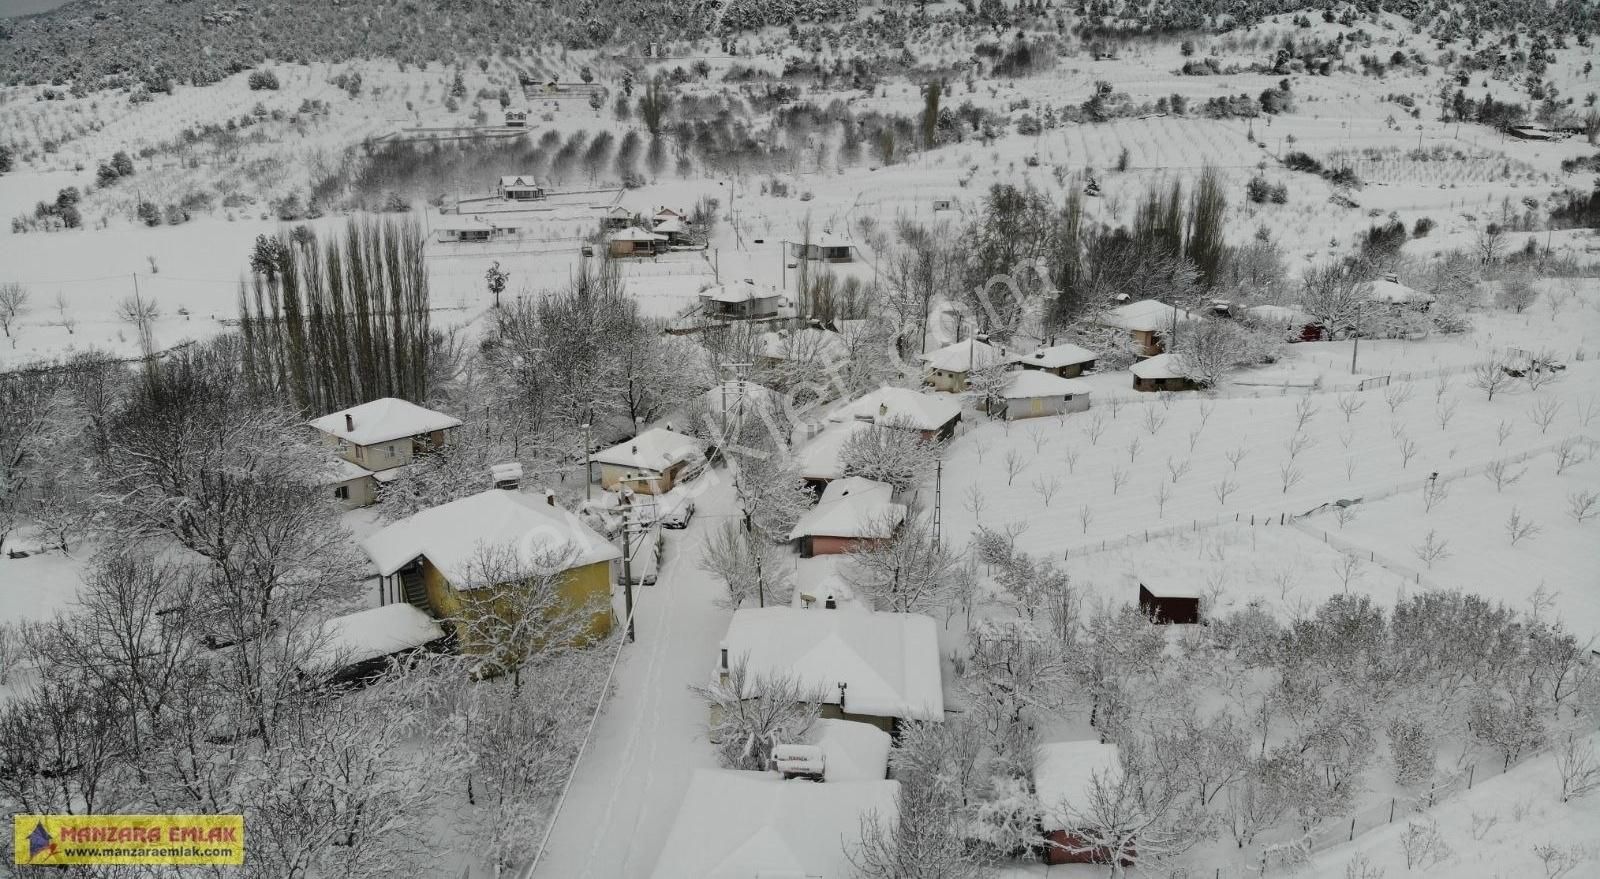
650, 463
740, 300
357, 647
851, 750
1294, 325
1169, 603
1158, 374
1065, 360
808, 345
1388, 291
616, 217
676, 230
819, 460
1145, 321
949, 367
1065, 775
462, 229
826, 247
1031, 393
854, 513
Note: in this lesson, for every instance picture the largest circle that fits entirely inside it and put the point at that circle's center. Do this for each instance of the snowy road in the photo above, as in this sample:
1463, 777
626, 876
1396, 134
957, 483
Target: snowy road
651, 737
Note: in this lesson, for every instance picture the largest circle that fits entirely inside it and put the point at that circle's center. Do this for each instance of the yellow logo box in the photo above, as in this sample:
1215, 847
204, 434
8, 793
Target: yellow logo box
61, 840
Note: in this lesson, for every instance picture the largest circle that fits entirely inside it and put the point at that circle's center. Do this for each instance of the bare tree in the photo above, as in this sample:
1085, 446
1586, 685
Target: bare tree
1071, 457
1433, 548
1395, 395
1422, 844
1289, 475
1543, 412
1014, 465
1154, 418
892, 453
1134, 445
64, 319
907, 573
1583, 505
1500, 473
1334, 295
1559, 860
1235, 455
1298, 443
1569, 452
1434, 492
1163, 494
1345, 514
1576, 763
1347, 569
1445, 411
1305, 410
1517, 292
1177, 469
1047, 488
1135, 816
752, 568
1119, 478
1539, 373
1519, 528
1408, 450
1085, 516
1503, 432
1350, 404
13, 303
1094, 428
751, 712
1491, 377
1224, 488
1206, 352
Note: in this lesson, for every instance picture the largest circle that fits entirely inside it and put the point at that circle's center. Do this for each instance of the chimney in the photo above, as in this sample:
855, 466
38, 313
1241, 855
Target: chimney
349, 423
549, 497
633, 449
883, 410
722, 663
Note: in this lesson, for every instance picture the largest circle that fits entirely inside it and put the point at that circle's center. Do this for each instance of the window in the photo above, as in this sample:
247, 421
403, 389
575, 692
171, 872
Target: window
342, 492
389, 450
1068, 398
361, 453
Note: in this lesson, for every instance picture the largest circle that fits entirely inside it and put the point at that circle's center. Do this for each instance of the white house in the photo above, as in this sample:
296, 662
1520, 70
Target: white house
853, 513
934, 416
819, 460
1031, 393
459, 228
875, 667
740, 300
949, 366
1145, 320
1065, 360
755, 825
1388, 291
826, 247
521, 187
650, 463
1158, 373
377, 437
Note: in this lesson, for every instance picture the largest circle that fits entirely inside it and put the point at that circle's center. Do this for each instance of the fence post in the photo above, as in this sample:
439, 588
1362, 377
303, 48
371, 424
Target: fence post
1391, 810
1352, 829
1471, 768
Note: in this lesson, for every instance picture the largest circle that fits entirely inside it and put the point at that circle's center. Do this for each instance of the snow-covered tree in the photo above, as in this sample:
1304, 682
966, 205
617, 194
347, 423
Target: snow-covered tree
751, 712
895, 454
1335, 295
907, 573
752, 568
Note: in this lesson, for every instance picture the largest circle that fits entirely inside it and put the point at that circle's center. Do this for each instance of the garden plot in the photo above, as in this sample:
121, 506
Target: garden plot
1545, 557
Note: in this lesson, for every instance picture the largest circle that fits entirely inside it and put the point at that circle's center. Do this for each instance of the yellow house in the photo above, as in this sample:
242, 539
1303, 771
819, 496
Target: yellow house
470, 562
650, 463
949, 366
374, 439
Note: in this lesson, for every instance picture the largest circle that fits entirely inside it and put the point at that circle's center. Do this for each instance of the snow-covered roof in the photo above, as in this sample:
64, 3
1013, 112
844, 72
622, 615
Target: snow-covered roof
369, 634
454, 536
617, 210
852, 507
462, 223
1159, 366
755, 825
900, 406
1056, 356
1063, 778
1147, 316
665, 212
963, 356
656, 449
670, 224
827, 238
739, 291
1163, 588
340, 470
851, 750
1281, 315
889, 661
383, 420
1027, 384
511, 181
819, 458
806, 343
1390, 290
634, 233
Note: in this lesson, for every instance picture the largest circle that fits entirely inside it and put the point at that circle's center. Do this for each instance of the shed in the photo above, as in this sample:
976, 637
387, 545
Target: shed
819, 460
1030, 393
826, 247
1388, 290
358, 646
755, 825
1167, 602
1065, 360
616, 217
1064, 779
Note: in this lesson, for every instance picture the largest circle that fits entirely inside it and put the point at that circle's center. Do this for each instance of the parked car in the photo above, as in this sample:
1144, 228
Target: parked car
677, 512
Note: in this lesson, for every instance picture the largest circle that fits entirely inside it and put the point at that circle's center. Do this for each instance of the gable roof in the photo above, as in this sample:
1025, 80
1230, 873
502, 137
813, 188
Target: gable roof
1029, 383
452, 536
1063, 778
520, 180
382, 420
617, 210
1389, 289
739, 291
655, 449
1147, 316
894, 406
368, 634
1056, 356
852, 750
819, 458
743, 825
670, 224
963, 356
852, 507
1159, 366
889, 661
634, 233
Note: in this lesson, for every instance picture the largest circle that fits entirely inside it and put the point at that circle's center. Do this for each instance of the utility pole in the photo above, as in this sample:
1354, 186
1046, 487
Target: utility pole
1357, 346
588, 475
938, 499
